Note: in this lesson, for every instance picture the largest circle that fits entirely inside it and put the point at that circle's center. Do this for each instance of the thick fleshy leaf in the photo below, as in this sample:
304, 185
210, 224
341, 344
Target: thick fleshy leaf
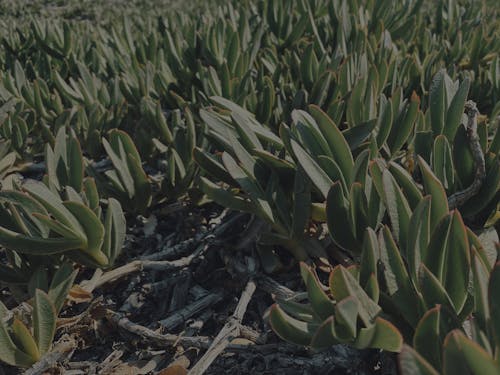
442, 162
384, 123
336, 141
60, 285
432, 290
24, 340
457, 262
369, 256
358, 210
397, 207
426, 339
44, 321
93, 227
322, 305
53, 205
386, 337
343, 285
248, 185
288, 328
412, 363
493, 288
9, 352
337, 214
480, 274
455, 110
397, 280
317, 175
437, 102
37, 245
212, 166
406, 184
301, 204
325, 336
460, 353
433, 187
402, 130
115, 230
346, 318
419, 235
488, 192
225, 197
448, 258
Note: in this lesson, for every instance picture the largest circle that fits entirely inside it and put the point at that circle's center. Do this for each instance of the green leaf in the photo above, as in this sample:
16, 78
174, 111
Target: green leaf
487, 193
224, 197
433, 187
337, 215
325, 337
24, 340
427, 338
44, 321
37, 245
400, 133
356, 135
412, 363
75, 164
463, 158
115, 230
121, 168
457, 262
322, 305
369, 256
437, 102
212, 166
358, 209
53, 205
456, 110
346, 318
61, 284
317, 175
397, 280
288, 328
494, 303
386, 336
9, 352
406, 184
462, 353
335, 139
432, 290
442, 162
301, 204
249, 185
93, 228
397, 207
418, 236
343, 285
384, 123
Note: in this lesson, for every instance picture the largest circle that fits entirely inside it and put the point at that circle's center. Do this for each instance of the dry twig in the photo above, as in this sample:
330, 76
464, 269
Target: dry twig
460, 197
230, 331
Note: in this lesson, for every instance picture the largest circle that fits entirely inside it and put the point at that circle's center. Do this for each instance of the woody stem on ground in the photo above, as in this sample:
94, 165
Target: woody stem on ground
230, 331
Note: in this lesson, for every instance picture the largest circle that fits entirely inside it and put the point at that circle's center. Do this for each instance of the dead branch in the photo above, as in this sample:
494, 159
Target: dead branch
230, 331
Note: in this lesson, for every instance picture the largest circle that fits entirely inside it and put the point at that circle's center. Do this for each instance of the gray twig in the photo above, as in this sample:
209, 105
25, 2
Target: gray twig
230, 331
190, 310
168, 339
460, 197
62, 350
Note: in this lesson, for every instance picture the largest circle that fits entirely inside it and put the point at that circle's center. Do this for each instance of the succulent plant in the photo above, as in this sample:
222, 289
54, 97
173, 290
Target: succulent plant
39, 223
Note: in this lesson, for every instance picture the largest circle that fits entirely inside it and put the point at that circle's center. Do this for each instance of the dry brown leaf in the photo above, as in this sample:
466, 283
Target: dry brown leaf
79, 295
242, 341
173, 370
